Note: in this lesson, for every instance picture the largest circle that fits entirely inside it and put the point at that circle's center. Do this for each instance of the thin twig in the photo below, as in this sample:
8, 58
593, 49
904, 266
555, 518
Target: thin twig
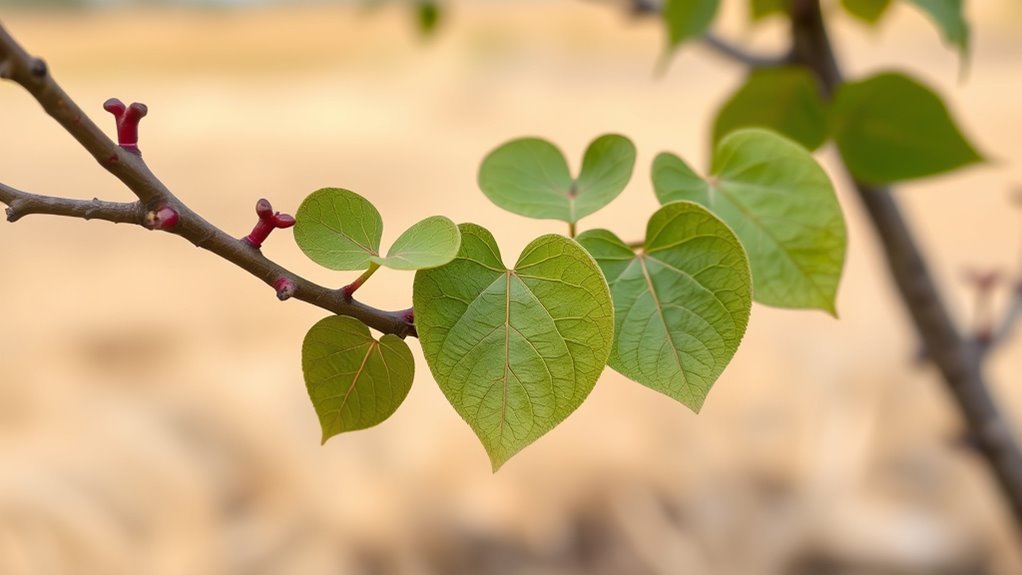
32, 74
21, 204
725, 48
742, 55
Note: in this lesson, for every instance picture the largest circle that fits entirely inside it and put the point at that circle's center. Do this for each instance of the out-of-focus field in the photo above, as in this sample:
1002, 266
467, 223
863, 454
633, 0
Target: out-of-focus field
153, 417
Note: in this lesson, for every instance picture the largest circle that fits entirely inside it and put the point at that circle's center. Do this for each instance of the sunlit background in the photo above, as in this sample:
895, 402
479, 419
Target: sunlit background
153, 417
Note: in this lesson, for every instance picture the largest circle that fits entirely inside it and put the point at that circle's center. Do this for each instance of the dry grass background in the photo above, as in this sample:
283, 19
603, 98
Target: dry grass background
152, 413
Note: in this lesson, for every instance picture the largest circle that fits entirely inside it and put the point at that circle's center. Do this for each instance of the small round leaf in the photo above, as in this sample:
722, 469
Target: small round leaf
430, 243
338, 229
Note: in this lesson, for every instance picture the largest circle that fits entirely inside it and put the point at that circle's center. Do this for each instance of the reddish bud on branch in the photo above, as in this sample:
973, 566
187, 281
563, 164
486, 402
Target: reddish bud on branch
127, 122
285, 288
163, 218
269, 220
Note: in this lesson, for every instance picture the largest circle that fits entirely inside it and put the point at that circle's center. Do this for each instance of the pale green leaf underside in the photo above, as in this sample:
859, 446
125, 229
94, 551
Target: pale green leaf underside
515, 351
338, 229
785, 100
890, 127
354, 381
430, 243
781, 205
530, 177
681, 305
341, 230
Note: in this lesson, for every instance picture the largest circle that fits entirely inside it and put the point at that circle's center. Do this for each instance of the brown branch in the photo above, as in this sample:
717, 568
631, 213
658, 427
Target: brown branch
32, 74
21, 204
1006, 329
958, 358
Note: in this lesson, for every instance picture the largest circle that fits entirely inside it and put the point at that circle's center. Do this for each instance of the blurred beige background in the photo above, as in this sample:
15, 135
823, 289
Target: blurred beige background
153, 417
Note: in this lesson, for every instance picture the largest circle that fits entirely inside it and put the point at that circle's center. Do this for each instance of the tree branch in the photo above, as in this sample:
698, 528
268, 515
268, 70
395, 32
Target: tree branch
21, 204
958, 358
127, 166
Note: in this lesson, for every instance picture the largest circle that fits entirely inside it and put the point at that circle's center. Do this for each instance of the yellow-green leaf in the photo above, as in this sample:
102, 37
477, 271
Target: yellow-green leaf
514, 350
681, 304
354, 381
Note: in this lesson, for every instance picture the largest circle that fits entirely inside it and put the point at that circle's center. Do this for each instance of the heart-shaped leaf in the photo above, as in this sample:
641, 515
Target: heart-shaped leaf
785, 100
781, 205
354, 381
681, 305
341, 230
515, 351
530, 177
890, 127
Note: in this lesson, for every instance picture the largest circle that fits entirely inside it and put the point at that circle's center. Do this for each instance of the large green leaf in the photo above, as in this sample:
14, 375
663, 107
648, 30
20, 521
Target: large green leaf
687, 19
354, 381
869, 11
781, 205
681, 305
759, 9
515, 351
890, 127
785, 100
948, 16
341, 230
530, 177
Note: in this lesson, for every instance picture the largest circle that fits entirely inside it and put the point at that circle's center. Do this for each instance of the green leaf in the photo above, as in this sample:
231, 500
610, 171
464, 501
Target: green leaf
891, 127
681, 305
530, 177
338, 229
430, 243
948, 16
785, 100
427, 16
781, 205
341, 230
687, 19
354, 381
869, 11
515, 351
760, 9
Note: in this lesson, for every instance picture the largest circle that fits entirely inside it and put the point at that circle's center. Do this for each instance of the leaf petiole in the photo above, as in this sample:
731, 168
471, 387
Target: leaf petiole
350, 289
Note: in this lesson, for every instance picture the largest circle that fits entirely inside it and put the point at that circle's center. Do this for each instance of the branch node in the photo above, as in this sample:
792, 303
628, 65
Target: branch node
127, 118
6, 69
285, 288
38, 68
162, 218
269, 220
